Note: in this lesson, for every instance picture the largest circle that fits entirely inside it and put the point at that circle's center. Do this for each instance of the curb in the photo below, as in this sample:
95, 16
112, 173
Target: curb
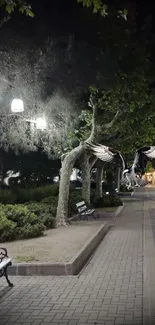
126, 194
73, 267
119, 210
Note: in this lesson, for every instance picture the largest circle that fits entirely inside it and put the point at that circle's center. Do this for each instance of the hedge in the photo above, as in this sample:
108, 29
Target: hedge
37, 194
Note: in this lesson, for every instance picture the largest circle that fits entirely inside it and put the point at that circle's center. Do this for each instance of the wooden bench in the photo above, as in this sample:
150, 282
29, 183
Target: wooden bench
5, 261
84, 212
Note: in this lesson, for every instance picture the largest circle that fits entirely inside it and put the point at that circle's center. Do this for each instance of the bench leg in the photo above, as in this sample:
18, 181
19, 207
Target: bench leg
93, 216
6, 276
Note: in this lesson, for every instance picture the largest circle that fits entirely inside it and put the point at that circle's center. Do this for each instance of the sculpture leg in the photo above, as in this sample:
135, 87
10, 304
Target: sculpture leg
129, 182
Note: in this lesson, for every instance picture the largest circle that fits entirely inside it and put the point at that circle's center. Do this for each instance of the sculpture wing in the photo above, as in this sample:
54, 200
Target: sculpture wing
105, 153
149, 153
142, 156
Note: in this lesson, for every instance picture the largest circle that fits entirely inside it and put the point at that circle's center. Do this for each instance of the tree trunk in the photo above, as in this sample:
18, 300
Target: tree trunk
66, 170
84, 162
99, 175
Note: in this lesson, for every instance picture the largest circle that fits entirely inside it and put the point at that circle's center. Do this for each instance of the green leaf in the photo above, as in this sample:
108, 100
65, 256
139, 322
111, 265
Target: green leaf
22, 10
29, 13
9, 8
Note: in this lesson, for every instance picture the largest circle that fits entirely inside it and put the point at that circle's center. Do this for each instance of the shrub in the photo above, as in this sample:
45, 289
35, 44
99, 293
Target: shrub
7, 196
16, 213
32, 230
49, 221
36, 194
16, 221
28, 195
38, 208
107, 201
123, 188
52, 200
54, 190
8, 230
45, 212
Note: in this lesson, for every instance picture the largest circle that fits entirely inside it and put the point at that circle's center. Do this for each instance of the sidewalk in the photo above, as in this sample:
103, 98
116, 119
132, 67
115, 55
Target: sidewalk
109, 290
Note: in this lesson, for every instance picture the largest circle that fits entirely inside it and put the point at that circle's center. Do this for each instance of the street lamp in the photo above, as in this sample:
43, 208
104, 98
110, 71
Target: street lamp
17, 106
41, 123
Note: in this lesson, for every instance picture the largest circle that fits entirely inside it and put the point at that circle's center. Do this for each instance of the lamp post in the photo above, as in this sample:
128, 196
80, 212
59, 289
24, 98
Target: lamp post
41, 123
17, 106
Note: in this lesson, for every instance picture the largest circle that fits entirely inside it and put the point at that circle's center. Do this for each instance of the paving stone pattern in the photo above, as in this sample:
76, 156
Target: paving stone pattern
108, 291
152, 217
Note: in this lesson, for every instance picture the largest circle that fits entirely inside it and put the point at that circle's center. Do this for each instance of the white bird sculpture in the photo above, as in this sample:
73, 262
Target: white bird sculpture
131, 177
142, 156
108, 154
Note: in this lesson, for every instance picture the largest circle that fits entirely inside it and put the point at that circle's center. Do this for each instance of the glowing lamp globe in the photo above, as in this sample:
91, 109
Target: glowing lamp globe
41, 123
17, 106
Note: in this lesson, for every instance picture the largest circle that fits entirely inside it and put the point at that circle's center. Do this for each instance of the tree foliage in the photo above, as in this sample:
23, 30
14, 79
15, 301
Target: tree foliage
101, 8
148, 167
22, 6
29, 82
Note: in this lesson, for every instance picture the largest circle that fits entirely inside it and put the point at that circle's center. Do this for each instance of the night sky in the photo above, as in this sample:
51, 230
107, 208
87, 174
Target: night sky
55, 18
61, 21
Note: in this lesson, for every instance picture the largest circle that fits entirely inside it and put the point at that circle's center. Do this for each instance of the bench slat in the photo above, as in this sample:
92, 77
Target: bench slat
82, 209
88, 212
4, 263
80, 204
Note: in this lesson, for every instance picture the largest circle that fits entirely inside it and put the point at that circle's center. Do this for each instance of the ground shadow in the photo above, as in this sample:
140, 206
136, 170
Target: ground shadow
4, 291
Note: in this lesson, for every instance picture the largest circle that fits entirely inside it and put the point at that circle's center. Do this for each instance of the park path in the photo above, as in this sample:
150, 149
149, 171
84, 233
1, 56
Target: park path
108, 291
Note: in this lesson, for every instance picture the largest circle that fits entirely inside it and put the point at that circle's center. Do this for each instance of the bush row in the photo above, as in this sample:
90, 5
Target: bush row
111, 200
30, 219
45, 194
124, 189
37, 194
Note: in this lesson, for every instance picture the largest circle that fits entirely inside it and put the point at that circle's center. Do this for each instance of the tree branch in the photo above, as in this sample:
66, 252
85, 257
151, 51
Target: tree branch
93, 131
4, 20
110, 124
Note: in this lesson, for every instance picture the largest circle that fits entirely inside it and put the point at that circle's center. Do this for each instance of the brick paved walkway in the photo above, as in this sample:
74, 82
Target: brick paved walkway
108, 291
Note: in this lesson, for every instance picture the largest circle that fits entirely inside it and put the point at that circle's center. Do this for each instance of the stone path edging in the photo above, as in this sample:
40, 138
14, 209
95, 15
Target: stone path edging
119, 210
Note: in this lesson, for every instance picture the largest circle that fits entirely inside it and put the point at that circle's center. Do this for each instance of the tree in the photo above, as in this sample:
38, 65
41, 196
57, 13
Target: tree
130, 44
148, 167
124, 96
29, 82
70, 158
119, 54
22, 5
8, 7
102, 8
